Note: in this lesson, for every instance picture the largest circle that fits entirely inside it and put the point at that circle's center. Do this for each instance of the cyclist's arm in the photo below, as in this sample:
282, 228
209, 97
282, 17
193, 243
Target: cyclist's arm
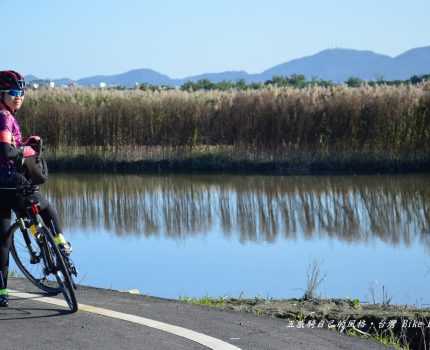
9, 151
8, 145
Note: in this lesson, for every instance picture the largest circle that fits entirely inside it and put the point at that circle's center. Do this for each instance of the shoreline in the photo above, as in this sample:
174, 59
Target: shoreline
402, 326
216, 164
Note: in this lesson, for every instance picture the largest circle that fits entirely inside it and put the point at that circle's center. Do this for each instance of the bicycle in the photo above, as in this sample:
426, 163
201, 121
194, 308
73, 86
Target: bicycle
38, 257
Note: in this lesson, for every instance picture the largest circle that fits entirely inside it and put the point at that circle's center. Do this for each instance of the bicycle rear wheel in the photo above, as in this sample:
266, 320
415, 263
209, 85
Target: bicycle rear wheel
27, 253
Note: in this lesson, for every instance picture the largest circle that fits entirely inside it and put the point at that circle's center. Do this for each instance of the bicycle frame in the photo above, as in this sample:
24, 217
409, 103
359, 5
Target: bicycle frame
33, 226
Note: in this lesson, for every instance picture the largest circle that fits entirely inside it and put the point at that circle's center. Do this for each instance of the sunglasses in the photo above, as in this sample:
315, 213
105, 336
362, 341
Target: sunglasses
16, 93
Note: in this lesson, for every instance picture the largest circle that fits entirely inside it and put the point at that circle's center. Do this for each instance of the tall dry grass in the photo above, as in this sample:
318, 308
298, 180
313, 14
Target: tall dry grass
302, 126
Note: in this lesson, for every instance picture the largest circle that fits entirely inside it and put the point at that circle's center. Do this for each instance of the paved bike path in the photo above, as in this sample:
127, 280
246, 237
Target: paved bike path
31, 324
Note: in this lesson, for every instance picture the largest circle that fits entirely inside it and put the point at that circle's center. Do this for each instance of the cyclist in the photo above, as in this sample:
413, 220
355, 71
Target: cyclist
13, 150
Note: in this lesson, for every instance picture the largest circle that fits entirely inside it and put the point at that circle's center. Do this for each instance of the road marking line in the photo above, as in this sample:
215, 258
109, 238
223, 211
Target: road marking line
203, 339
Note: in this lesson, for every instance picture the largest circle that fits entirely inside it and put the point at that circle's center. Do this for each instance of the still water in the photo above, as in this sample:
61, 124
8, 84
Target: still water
230, 235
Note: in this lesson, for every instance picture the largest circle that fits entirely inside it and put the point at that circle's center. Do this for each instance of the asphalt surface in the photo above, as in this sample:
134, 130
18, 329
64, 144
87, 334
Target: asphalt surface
31, 324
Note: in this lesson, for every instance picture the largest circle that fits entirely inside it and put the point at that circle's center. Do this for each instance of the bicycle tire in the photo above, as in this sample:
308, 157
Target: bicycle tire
35, 273
62, 273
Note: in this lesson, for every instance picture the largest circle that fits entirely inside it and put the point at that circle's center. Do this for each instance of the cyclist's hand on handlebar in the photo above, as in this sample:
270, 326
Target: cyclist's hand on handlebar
24, 152
34, 142
32, 139
28, 151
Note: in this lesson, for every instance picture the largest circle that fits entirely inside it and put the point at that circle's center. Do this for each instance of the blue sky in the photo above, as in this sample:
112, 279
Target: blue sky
52, 38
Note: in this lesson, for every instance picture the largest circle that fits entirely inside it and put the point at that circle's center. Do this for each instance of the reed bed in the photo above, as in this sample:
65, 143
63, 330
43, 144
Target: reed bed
326, 128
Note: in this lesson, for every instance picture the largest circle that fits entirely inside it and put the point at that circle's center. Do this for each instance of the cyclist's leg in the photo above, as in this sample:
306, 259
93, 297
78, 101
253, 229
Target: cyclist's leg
51, 219
47, 212
49, 215
5, 242
7, 202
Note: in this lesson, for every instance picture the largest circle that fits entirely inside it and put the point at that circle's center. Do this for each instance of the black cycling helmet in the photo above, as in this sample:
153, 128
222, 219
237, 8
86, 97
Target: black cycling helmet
11, 80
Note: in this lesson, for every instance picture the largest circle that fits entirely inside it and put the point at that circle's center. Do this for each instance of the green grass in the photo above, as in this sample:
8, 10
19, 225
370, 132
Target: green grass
391, 340
207, 301
385, 339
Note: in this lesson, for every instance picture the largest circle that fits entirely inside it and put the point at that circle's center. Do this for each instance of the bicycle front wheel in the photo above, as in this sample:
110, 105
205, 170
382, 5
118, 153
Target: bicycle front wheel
59, 270
27, 252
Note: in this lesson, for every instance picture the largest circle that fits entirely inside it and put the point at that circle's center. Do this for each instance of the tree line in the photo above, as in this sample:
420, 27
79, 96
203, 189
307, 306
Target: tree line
295, 81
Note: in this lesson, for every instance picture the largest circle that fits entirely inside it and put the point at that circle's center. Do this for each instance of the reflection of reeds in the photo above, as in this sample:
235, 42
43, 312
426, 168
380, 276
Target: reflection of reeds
308, 128
394, 209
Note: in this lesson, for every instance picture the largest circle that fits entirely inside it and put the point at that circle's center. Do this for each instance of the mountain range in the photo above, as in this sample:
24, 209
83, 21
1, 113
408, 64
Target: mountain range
336, 65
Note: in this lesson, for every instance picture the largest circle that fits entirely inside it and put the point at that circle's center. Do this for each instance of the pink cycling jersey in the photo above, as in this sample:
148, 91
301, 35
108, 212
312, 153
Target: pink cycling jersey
8, 124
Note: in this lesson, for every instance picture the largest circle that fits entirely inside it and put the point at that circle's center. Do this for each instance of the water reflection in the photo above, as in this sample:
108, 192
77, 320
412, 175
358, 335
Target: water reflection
396, 209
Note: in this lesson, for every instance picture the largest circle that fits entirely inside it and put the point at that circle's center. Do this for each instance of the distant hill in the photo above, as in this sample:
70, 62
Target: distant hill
218, 77
129, 78
340, 64
336, 65
412, 62
30, 77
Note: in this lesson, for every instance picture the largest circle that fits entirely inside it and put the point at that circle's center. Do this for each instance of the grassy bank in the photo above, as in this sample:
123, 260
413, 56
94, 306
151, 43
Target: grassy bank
403, 327
286, 130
